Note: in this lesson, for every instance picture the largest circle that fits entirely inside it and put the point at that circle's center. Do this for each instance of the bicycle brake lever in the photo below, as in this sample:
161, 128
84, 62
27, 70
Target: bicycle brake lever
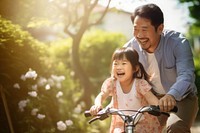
103, 114
154, 110
94, 119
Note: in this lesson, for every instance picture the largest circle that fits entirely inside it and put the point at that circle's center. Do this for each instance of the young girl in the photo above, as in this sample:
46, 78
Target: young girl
129, 88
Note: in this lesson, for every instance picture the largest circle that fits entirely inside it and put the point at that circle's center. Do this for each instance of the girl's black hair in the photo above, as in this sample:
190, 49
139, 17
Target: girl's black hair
132, 56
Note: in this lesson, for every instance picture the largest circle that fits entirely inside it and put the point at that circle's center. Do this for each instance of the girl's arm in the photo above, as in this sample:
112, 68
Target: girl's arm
101, 97
145, 90
151, 98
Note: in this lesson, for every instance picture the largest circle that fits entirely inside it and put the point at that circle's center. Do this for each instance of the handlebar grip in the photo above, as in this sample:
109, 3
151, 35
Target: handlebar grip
175, 109
87, 113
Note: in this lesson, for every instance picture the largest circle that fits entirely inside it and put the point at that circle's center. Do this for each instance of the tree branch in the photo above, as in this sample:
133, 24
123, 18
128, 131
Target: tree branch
102, 16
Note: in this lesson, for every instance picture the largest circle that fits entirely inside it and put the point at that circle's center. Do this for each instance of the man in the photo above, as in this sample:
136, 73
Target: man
167, 57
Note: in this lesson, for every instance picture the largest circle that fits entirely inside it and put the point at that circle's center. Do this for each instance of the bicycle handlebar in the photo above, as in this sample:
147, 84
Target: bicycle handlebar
104, 113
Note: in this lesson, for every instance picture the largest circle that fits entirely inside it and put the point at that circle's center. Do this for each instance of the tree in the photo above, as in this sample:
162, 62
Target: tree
18, 49
79, 16
194, 8
18, 52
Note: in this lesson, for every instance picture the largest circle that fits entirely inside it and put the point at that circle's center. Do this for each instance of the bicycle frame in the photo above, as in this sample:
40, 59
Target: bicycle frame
130, 121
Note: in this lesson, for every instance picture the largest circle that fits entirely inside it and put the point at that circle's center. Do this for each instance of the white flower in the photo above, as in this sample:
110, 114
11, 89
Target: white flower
58, 78
69, 122
47, 87
61, 126
16, 85
31, 74
77, 109
82, 103
50, 82
58, 85
23, 77
34, 111
42, 81
33, 93
22, 104
59, 94
34, 87
41, 116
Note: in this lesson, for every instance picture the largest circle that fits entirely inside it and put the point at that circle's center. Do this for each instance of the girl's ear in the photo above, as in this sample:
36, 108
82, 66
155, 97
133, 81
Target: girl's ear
137, 67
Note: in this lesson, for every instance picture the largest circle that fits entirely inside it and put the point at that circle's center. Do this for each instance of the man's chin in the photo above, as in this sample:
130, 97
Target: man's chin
146, 48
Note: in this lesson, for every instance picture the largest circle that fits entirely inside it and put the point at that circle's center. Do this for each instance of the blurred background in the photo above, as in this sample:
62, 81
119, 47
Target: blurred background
55, 54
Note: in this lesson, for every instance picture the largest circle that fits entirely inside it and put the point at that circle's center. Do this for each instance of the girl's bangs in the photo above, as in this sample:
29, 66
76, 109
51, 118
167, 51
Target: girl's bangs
120, 55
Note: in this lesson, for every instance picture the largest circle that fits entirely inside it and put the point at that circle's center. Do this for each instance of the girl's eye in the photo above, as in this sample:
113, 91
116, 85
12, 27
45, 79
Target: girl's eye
124, 63
114, 63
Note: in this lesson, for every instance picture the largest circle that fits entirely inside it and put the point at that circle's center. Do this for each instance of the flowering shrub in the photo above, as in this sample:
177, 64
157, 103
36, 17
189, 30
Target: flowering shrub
36, 105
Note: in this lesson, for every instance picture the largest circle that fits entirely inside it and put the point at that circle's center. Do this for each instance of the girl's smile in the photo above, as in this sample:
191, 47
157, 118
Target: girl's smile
122, 70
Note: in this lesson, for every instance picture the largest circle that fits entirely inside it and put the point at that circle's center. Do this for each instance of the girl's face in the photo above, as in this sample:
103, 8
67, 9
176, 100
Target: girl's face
122, 70
145, 33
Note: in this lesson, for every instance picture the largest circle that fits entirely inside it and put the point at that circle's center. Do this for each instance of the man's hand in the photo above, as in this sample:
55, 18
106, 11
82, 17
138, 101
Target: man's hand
167, 103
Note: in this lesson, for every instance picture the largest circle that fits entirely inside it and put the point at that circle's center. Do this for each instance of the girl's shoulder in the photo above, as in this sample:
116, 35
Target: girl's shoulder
142, 86
109, 84
141, 82
109, 81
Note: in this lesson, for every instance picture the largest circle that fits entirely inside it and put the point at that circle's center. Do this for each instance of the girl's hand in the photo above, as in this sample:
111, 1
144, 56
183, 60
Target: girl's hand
95, 109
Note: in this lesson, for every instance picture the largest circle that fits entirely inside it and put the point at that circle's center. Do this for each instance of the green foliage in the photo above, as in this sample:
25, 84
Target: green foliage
197, 74
194, 8
60, 53
25, 12
96, 51
18, 51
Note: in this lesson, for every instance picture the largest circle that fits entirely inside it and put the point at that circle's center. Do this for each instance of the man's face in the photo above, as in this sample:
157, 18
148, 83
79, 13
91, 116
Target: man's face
146, 34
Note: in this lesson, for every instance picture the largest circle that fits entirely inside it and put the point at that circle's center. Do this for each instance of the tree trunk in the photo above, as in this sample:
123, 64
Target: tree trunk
80, 72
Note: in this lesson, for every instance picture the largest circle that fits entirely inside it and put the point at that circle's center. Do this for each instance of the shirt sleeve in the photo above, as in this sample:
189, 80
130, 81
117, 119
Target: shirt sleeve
143, 87
185, 71
107, 86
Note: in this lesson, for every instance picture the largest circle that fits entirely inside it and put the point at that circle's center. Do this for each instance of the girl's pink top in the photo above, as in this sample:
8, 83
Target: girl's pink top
134, 100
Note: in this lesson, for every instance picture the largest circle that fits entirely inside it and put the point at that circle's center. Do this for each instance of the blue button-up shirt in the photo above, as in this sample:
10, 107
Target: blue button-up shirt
175, 62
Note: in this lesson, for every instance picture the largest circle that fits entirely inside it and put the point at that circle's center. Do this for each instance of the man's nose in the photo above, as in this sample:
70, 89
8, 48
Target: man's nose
139, 34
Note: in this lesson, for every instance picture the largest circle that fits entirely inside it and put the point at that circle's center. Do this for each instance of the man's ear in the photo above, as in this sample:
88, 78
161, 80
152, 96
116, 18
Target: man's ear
160, 28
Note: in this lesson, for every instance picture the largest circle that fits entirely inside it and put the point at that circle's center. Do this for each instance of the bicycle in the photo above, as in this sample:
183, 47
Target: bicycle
130, 121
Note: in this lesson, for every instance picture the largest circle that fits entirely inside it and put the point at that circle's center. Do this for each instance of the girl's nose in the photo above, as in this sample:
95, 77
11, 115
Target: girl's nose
119, 66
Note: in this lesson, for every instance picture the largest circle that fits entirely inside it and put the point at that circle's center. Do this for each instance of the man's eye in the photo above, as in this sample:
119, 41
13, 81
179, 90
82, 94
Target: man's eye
144, 30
